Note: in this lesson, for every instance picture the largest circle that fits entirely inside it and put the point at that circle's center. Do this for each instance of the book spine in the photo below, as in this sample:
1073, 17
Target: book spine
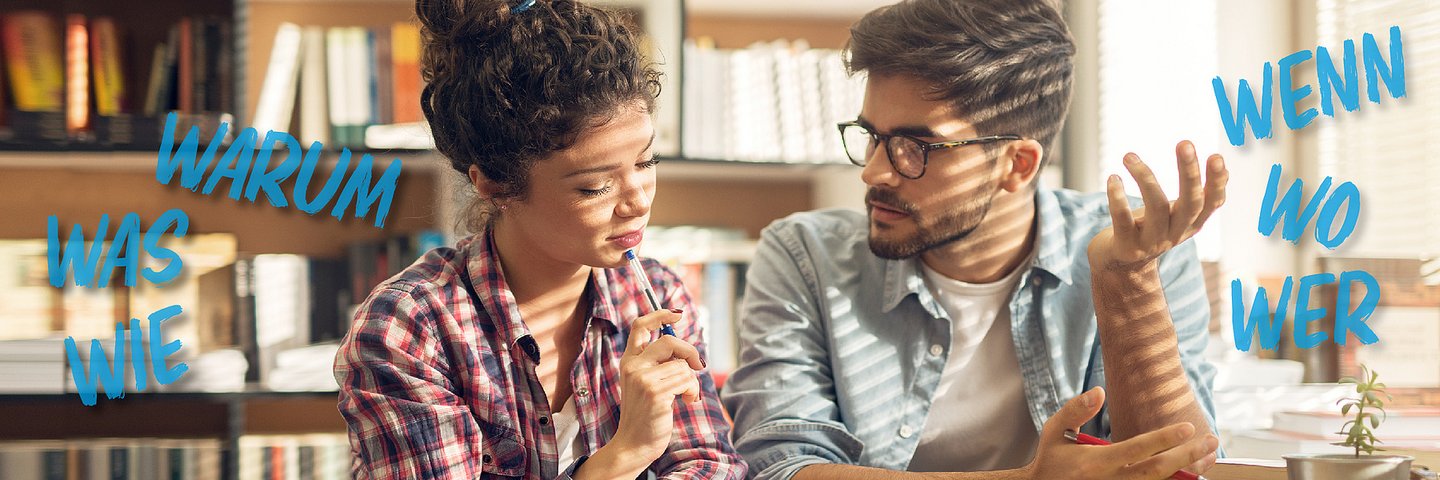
33, 56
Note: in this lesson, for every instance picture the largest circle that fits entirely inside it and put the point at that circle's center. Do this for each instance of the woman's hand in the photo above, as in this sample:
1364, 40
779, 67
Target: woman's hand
652, 375
1132, 242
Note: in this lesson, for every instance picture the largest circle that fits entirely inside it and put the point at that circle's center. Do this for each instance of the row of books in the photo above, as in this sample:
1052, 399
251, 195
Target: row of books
67, 85
343, 80
1412, 430
316, 456
244, 317
313, 456
113, 459
771, 102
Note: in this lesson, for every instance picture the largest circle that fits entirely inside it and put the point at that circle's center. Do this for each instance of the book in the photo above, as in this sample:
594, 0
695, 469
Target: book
33, 57
109, 77
202, 253
339, 105
185, 66
277, 92
1248, 469
25, 291
282, 306
1400, 423
155, 85
405, 72
382, 72
314, 106
77, 74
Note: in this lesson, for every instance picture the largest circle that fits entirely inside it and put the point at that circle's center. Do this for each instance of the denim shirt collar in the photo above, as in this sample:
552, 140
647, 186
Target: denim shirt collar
903, 278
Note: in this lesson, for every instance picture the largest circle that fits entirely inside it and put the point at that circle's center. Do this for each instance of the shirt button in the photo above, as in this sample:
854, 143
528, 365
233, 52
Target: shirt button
486, 458
936, 350
582, 392
544, 420
905, 431
1035, 280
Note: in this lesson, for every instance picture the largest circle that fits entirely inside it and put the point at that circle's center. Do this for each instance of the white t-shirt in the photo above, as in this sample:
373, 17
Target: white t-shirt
979, 419
567, 433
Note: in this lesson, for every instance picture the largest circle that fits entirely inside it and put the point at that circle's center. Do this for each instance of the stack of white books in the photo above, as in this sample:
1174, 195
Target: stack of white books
32, 366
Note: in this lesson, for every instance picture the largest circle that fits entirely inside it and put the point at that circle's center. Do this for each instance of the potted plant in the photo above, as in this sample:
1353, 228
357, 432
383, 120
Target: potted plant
1369, 411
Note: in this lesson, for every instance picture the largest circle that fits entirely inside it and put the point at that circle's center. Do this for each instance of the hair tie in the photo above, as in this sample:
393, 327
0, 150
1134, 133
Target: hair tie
523, 6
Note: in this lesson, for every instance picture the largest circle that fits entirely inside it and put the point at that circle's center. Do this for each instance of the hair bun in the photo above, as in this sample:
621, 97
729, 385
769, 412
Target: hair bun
451, 20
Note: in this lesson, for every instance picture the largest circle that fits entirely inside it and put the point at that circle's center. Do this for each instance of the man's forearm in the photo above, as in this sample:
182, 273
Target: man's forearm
1146, 386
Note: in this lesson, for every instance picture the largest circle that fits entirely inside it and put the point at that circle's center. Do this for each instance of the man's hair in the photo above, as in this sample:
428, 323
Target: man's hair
507, 87
1005, 65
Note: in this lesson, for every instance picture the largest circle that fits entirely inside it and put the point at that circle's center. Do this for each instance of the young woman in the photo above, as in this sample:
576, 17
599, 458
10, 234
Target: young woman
529, 350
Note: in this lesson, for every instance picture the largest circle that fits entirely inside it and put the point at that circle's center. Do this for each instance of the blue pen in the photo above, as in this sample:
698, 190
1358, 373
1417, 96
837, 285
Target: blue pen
645, 286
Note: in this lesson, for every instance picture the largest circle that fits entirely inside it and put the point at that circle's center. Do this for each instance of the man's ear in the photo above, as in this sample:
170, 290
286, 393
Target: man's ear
1022, 159
484, 186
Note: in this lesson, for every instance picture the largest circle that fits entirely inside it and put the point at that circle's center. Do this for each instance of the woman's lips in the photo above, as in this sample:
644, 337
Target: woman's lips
628, 240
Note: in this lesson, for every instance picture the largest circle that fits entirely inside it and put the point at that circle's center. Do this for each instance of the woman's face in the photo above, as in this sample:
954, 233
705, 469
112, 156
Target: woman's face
590, 203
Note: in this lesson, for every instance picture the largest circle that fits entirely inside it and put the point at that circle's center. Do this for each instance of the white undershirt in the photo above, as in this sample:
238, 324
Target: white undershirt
979, 419
567, 433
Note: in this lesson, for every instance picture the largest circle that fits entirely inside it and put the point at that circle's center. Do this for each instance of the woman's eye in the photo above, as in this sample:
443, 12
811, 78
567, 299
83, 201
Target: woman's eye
595, 192
650, 163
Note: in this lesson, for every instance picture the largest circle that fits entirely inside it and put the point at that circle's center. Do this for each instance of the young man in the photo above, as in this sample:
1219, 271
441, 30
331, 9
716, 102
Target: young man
964, 323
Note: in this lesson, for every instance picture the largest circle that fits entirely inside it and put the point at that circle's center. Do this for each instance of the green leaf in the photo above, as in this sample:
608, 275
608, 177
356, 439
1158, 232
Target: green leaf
1374, 421
1345, 410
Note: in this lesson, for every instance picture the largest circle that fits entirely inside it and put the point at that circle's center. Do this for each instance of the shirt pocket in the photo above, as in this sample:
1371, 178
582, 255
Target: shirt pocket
503, 454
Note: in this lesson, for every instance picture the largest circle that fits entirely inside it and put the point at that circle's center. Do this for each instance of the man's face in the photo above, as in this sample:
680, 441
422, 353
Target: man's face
951, 199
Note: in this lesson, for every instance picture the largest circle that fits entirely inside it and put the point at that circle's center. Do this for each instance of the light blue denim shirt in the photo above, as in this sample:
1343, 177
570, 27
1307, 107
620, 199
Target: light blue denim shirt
836, 363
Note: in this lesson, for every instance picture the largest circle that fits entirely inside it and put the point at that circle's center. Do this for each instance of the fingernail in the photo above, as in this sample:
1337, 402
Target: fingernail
1129, 159
1088, 398
1114, 179
677, 310
1217, 165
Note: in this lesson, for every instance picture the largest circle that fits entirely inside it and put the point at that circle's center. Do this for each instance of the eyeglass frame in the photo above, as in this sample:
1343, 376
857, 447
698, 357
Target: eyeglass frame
925, 147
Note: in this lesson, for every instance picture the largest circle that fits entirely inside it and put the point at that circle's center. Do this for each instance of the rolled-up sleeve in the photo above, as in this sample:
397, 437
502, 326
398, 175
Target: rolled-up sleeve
782, 396
405, 419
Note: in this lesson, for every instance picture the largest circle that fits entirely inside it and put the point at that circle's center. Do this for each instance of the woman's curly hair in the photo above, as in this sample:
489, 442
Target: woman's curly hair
505, 89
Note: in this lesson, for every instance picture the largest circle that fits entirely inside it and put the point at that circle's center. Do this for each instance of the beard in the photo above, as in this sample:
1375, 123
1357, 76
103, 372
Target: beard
946, 227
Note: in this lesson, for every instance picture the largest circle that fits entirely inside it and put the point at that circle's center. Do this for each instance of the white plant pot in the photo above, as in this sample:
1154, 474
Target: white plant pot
1348, 467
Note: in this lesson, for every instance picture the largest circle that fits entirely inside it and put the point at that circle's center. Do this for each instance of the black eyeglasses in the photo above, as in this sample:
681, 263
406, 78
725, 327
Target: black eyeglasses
907, 154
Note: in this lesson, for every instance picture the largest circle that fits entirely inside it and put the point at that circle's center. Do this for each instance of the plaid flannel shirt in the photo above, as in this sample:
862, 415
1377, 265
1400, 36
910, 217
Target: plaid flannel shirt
435, 385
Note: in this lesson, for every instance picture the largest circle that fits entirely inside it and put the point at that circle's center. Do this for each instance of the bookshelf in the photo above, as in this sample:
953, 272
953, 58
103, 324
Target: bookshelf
79, 181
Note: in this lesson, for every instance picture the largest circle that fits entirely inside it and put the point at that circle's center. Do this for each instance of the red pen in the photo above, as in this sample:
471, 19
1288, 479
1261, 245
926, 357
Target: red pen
1084, 439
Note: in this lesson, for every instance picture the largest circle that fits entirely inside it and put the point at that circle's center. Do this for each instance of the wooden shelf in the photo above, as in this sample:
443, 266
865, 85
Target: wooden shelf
422, 161
413, 160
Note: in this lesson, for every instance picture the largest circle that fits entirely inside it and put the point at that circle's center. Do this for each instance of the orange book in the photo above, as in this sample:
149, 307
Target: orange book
77, 74
105, 64
405, 61
31, 42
